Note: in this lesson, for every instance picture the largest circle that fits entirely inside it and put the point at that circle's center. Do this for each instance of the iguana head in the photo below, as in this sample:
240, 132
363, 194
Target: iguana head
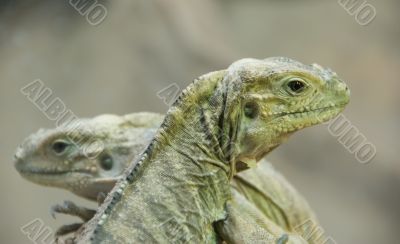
274, 97
57, 157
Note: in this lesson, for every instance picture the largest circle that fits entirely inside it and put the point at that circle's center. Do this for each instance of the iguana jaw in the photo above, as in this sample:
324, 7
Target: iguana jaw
50, 176
317, 111
319, 115
315, 116
81, 183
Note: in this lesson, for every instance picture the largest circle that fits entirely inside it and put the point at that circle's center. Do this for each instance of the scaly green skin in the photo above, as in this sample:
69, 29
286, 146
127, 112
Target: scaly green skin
180, 188
275, 198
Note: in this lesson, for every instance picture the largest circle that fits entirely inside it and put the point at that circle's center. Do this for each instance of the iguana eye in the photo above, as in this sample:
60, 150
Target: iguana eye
59, 147
106, 162
296, 86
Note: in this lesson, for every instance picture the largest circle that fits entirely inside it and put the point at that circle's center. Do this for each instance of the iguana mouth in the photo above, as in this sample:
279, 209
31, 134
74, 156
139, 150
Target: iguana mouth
336, 106
50, 172
38, 172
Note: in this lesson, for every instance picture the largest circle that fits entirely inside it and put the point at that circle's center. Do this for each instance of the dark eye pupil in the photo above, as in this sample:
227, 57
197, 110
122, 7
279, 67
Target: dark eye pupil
59, 147
296, 85
106, 162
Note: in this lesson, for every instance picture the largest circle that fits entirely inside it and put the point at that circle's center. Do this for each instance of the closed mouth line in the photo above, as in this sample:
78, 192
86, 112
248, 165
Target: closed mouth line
47, 172
44, 172
313, 110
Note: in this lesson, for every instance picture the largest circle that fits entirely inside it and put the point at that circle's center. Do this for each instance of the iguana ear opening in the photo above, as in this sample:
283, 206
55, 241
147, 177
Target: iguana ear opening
251, 110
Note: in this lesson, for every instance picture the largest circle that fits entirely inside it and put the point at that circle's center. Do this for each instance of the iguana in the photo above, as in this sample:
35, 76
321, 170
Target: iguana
56, 157
179, 190
42, 159
224, 122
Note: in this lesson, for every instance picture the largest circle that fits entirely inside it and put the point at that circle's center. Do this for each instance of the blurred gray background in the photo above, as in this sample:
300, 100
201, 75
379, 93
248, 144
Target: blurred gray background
142, 46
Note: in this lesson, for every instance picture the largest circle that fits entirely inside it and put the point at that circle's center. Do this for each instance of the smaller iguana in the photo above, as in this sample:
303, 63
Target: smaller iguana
50, 158
57, 157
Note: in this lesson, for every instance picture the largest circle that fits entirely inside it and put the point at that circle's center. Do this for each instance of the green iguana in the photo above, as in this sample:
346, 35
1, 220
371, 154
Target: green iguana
179, 190
53, 158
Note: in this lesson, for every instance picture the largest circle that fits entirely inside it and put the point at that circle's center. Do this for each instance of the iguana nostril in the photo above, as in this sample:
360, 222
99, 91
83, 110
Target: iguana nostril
340, 86
18, 154
18, 163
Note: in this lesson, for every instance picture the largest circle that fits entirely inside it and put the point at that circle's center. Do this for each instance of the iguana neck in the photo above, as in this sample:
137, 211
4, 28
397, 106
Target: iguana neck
180, 186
